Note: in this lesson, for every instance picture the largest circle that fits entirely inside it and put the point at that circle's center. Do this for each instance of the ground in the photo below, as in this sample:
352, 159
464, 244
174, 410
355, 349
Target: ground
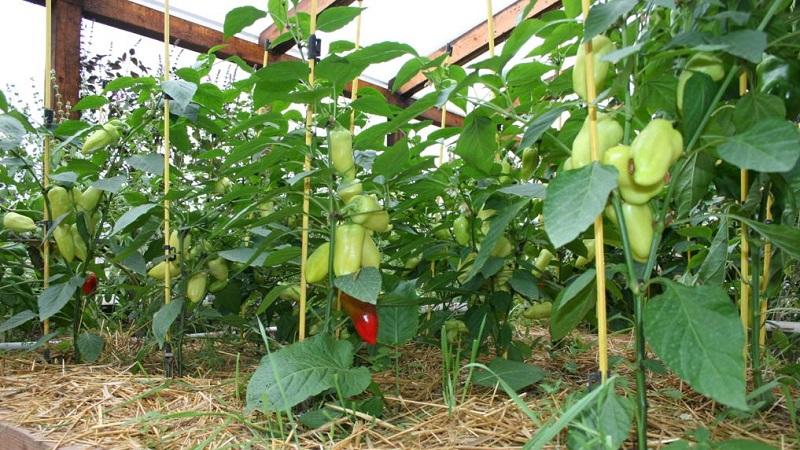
119, 405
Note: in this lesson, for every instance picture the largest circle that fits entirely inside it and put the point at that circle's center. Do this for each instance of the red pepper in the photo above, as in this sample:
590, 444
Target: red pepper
364, 316
89, 284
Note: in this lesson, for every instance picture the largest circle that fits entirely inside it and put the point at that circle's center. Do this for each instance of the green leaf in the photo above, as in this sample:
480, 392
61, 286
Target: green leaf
364, 285
11, 132
90, 102
306, 368
152, 163
240, 18
541, 123
380, 52
164, 318
333, 18
712, 271
408, 70
126, 82
785, 237
572, 304
180, 91
131, 216
398, 324
477, 143
516, 374
742, 444
768, 146
574, 200
90, 346
603, 15
693, 181
698, 95
52, 299
244, 255
523, 282
496, 230
747, 44
605, 424
17, 320
528, 190
618, 55
3, 102
278, 10
658, 93
283, 71
755, 107
697, 333
113, 185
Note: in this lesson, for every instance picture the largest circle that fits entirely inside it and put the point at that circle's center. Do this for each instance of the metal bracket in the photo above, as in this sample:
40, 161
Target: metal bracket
314, 47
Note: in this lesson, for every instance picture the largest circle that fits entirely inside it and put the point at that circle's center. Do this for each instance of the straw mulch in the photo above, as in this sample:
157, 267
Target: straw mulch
113, 406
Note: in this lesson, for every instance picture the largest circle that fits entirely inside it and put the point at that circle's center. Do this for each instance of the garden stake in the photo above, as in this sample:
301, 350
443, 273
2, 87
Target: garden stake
744, 262
762, 335
443, 125
354, 85
165, 76
307, 181
600, 268
48, 117
490, 26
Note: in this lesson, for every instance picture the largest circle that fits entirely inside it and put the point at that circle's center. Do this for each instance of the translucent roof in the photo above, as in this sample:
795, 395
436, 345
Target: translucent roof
425, 25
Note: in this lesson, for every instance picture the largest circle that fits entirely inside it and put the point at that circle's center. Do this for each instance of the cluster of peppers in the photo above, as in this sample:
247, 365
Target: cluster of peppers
354, 247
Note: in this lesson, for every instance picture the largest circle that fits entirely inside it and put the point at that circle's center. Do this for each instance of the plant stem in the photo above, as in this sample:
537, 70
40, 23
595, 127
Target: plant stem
755, 317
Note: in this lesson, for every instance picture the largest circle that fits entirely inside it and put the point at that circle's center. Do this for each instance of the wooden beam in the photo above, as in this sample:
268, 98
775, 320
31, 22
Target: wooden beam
474, 43
139, 19
66, 42
271, 33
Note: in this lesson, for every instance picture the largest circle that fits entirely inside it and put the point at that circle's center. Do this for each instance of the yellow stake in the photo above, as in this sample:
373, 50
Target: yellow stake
490, 25
306, 187
744, 262
354, 85
167, 274
443, 124
600, 263
48, 105
762, 336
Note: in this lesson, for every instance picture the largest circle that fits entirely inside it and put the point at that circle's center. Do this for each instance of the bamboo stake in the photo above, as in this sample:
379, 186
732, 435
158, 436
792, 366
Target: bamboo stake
744, 262
354, 85
490, 26
48, 106
443, 125
165, 76
762, 335
600, 264
307, 187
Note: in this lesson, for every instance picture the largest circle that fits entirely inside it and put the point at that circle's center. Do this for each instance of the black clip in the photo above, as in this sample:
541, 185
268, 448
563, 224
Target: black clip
169, 359
49, 117
595, 378
267, 44
449, 49
768, 222
172, 252
314, 47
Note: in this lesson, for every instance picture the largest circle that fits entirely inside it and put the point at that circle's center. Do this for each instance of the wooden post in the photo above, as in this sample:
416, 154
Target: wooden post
66, 42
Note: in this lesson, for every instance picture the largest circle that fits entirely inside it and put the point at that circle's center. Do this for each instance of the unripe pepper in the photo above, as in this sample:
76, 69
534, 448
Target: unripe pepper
174, 242
340, 143
317, 263
502, 248
89, 285
89, 198
364, 316
348, 189
370, 255
609, 134
639, 223
159, 271
348, 248
265, 209
530, 159
505, 172
461, 230
102, 137
538, 311
290, 293
81, 252
653, 151
543, 260
222, 186
187, 246
217, 285
590, 252
361, 207
441, 232
378, 222
601, 45
620, 157
196, 287
218, 268
412, 262
699, 63
63, 238
454, 330
60, 202
18, 223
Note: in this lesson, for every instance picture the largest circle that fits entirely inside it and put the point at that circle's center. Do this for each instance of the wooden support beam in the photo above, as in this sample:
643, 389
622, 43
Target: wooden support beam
139, 19
473, 43
66, 42
271, 33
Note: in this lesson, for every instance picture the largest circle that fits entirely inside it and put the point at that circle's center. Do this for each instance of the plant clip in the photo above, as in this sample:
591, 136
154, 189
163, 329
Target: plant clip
169, 359
595, 378
49, 116
314, 47
267, 44
449, 49
172, 252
